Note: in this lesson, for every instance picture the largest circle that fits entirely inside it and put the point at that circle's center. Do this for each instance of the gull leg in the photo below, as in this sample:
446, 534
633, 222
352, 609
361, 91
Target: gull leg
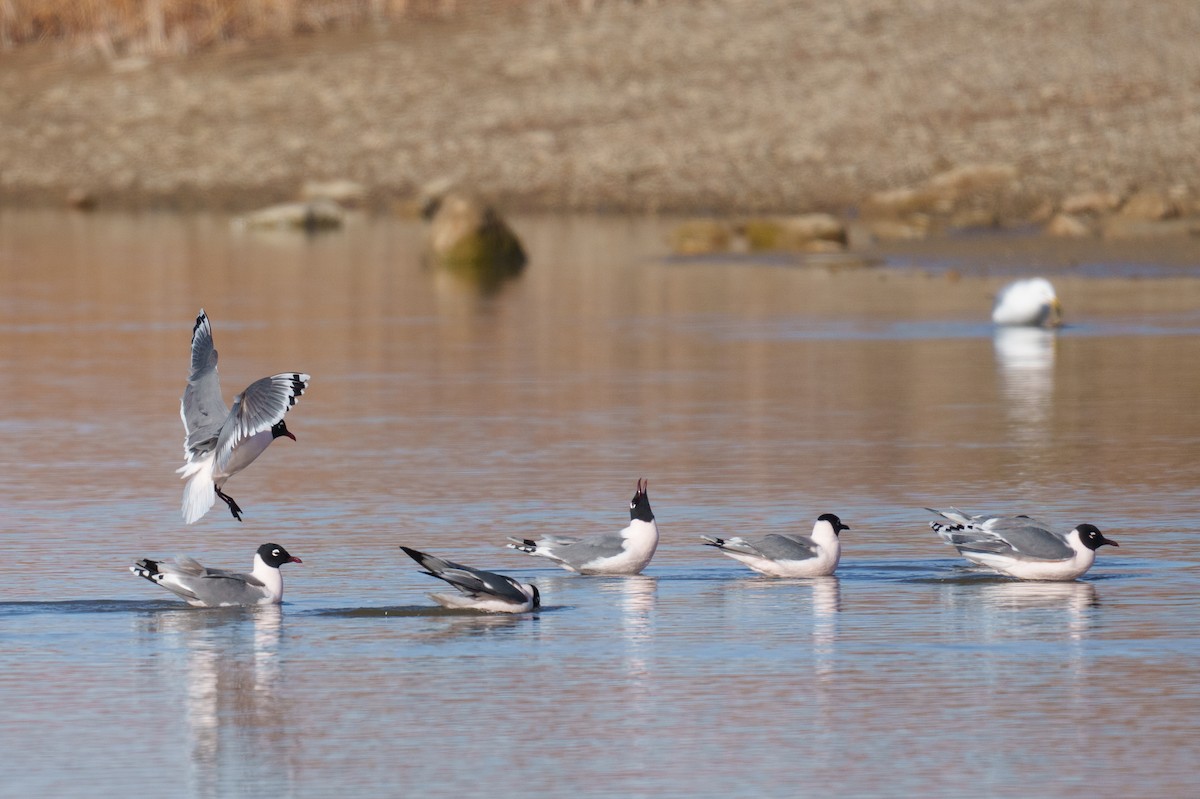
233, 506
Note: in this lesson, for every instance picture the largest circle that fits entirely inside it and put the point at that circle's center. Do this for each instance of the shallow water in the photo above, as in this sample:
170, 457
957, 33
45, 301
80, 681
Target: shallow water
753, 394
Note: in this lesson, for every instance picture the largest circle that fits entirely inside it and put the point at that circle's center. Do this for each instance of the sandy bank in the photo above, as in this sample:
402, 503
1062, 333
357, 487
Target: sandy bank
680, 106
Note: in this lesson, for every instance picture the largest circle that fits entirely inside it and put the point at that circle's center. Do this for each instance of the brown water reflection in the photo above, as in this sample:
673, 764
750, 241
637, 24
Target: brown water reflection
753, 395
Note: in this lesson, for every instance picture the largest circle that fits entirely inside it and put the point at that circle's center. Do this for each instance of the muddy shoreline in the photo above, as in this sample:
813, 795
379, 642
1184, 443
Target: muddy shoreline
698, 107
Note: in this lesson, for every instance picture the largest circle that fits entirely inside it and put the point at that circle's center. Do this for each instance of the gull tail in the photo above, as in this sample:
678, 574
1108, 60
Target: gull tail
199, 494
734, 544
146, 568
524, 545
959, 522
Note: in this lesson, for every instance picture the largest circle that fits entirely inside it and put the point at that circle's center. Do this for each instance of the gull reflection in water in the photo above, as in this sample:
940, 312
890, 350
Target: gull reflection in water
1075, 598
1025, 358
1048, 612
471, 624
826, 602
636, 597
236, 719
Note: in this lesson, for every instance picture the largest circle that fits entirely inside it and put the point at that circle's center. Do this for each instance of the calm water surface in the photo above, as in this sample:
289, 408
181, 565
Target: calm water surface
754, 395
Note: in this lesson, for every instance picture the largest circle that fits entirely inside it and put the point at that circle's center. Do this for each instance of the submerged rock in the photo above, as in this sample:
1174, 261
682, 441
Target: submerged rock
912, 228
307, 216
1068, 226
701, 237
803, 233
469, 237
1149, 206
81, 199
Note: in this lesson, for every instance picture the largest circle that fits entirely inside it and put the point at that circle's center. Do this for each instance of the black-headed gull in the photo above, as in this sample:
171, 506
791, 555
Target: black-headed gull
203, 587
1028, 303
782, 555
219, 442
626, 552
478, 590
1021, 546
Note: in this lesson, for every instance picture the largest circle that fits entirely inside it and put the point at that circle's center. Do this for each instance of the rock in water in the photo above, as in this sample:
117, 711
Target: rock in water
307, 216
469, 237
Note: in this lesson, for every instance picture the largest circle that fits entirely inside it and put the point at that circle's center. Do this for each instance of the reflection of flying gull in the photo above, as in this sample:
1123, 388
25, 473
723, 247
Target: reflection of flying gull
219, 442
1030, 303
788, 555
1021, 546
203, 587
477, 590
626, 552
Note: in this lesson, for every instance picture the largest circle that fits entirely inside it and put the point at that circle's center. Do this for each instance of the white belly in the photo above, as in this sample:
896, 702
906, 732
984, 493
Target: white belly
823, 564
1066, 569
243, 455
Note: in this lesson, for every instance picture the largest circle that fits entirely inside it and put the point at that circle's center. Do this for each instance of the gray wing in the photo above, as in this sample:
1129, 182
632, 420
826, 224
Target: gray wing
222, 574
1015, 536
579, 551
183, 565
1029, 537
556, 540
257, 409
219, 587
786, 547
211, 586
202, 409
771, 547
472, 582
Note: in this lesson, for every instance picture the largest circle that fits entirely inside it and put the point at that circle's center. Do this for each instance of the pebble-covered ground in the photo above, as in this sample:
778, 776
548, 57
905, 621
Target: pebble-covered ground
690, 106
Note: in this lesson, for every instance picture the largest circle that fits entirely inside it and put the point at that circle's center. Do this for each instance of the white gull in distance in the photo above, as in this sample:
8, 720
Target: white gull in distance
1028, 303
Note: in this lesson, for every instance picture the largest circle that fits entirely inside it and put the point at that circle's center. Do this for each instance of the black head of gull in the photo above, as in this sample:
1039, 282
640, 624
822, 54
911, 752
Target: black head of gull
1092, 538
834, 522
639, 506
280, 431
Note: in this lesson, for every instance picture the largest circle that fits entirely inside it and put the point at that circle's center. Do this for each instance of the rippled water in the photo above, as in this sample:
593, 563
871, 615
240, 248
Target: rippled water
754, 395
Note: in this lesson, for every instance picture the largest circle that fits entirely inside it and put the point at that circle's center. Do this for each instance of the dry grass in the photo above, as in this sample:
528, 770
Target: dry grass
125, 27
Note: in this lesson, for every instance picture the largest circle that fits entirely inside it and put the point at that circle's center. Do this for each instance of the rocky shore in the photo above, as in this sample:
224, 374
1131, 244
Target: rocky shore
1080, 118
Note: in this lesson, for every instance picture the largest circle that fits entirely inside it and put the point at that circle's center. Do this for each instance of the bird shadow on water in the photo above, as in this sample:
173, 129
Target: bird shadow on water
93, 606
947, 571
418, 611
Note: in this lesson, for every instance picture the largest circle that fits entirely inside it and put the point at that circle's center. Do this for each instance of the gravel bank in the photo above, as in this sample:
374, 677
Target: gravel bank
706, 106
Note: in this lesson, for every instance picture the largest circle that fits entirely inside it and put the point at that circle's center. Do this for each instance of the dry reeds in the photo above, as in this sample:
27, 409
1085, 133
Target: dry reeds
123, 27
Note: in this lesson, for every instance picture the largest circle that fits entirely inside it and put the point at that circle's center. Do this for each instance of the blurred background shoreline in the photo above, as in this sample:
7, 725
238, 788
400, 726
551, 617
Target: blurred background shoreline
991, 115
